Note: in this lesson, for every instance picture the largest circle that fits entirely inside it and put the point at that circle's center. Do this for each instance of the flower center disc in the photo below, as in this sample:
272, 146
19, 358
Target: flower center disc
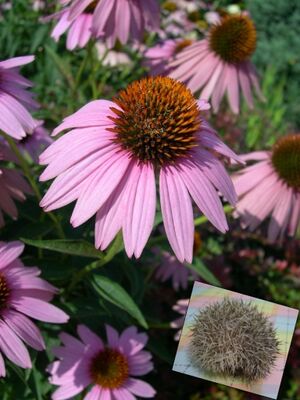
4, 292
286, 160
157, 120
182, 45
91, 7
234, 38
109, 369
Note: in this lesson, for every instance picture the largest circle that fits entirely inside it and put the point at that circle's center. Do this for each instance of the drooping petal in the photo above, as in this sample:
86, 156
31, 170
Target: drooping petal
12, 347
204, 195
9, 252
100, 187
25, 329
177, 213
39, 309
140, 388
140, 209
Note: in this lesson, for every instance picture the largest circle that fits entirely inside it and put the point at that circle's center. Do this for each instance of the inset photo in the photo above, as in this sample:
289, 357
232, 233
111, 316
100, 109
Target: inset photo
235, 340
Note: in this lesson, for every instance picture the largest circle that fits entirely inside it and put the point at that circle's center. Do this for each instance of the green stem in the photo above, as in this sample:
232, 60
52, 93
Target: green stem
201, 220
26, 171
114, 249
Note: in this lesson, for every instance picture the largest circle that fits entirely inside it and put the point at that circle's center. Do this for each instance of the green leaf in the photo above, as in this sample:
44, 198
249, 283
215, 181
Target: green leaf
115, 294
204, 272
73, 247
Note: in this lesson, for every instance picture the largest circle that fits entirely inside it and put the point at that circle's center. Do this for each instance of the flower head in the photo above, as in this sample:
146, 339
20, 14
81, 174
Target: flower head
78, 27
109, 369
170, 268
15, 101
221, 62
109, 162
110, 20
271, 187
22, 294
12, 185
36, 142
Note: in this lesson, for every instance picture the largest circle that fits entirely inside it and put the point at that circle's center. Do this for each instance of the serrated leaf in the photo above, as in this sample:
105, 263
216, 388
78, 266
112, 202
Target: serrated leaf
204, 272
72, 247
115, 294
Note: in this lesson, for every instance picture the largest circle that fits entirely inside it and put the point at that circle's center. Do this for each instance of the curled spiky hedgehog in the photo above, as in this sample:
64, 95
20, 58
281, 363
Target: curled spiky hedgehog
233, 338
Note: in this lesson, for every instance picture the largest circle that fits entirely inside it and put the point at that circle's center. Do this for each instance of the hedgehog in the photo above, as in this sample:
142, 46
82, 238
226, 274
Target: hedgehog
232, 338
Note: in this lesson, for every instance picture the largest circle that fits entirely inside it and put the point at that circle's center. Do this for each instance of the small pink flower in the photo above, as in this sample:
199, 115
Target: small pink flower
22, 294
36, 142
110, 20
109, 369
270, 188
158, 58
12, 185
220, 63
170, 268
15, 119
181, 307
78, 28
110, 161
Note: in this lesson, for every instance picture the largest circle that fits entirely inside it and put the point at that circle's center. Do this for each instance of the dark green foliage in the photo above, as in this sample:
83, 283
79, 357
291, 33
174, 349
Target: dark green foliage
278, 26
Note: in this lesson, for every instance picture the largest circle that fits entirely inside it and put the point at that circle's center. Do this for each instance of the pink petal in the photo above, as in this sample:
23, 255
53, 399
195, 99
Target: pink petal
9, 252
95, 113
2, 367
111, 215
100, 187
25, 329
140, 388
12, 347
69, 390
40, 310
90, 338
245, 85
122, 394
279, 219
177, 213
233, 88
204, 194
211, 84
97, 393
112, 336
16, 62
140, 209
131, 342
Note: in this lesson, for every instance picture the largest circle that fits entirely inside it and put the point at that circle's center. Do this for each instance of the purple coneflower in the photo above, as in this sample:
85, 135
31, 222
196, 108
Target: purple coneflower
109, 370
109, 161
36, 142
110, 20
170, 268
271, 188
15, 120
221, 62
22, 294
